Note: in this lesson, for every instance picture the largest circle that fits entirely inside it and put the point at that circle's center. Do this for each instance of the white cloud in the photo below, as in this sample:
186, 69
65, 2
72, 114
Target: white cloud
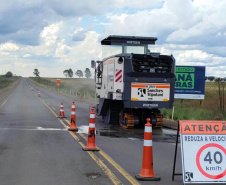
8, 46
209, 21
49, 34
26, 56
193, 31
191, 55
116, 17
62, 49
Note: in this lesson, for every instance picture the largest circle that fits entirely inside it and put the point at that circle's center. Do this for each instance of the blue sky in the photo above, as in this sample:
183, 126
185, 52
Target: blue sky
55, 35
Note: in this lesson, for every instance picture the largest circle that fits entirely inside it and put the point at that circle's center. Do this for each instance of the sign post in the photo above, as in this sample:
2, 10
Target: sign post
58, 83
203, 148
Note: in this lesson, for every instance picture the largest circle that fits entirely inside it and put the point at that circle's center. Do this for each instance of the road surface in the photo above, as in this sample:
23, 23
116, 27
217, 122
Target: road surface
36, 148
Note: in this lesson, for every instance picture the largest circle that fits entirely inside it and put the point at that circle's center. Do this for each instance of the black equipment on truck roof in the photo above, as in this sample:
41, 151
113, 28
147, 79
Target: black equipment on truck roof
129, 40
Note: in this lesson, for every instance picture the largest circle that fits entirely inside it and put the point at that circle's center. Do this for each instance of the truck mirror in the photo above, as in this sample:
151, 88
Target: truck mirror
93, 64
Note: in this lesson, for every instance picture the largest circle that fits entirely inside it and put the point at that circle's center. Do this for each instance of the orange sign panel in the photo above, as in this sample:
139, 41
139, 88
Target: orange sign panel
58, 82
202, 127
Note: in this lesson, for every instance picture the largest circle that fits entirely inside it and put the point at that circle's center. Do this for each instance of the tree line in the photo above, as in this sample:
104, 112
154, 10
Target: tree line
216, 79
69, 73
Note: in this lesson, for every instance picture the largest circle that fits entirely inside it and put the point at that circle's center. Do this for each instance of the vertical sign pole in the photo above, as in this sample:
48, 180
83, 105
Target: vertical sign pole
175, 155
173, 113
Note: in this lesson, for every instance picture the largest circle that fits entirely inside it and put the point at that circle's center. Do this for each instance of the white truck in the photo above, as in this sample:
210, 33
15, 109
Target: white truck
133, 83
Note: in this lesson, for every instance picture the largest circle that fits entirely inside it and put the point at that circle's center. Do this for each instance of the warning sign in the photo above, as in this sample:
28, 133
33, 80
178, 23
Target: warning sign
58, 82
150, 92
203, 148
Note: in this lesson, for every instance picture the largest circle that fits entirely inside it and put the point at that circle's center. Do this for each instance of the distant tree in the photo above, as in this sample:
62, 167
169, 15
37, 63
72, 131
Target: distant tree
79, 73
36, 72
206, 78
65, 72
87, 73
70, 73
211, 78
9, 74
218, 79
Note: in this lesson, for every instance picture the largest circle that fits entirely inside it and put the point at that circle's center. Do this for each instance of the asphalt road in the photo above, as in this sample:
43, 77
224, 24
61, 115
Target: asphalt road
36, 148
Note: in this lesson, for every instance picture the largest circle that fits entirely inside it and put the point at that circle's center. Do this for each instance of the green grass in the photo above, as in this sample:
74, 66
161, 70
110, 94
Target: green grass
5, 82
207, 109
192, 114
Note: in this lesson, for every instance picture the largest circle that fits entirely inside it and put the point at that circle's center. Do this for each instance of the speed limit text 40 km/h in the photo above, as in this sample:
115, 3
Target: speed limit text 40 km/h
203, 147
211, 161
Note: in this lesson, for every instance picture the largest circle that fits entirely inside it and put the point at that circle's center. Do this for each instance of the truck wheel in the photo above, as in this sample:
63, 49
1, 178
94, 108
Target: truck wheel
111, 117
126, 120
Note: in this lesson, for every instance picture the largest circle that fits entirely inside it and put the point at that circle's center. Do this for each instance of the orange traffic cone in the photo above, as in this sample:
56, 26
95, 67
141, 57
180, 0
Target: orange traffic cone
73, 119
61, 111
91, 146
147, 172
39, 94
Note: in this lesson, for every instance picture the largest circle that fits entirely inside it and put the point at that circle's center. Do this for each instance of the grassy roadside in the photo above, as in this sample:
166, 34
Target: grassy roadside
207, 109
79, 87
5, 82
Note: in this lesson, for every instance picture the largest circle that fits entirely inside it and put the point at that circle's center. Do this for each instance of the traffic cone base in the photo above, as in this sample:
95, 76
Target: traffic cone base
90, 149
73, 129
138, 177
60, 116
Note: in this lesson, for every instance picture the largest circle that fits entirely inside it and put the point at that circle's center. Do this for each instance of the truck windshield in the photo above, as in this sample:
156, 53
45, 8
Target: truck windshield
109, 50
135, 49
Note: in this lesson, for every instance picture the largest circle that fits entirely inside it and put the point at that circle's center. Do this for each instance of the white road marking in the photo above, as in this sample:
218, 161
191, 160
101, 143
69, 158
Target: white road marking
3, 103
37, 128
53, 108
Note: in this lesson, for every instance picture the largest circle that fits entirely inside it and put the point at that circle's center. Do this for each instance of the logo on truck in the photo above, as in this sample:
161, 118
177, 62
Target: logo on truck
141, 92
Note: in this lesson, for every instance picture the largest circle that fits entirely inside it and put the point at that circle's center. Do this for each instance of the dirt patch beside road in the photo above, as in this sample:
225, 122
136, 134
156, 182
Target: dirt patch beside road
5, 92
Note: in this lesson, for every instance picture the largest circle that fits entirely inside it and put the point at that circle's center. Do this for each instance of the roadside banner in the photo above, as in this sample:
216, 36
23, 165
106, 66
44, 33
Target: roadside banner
58, 82
190, 82
203, 151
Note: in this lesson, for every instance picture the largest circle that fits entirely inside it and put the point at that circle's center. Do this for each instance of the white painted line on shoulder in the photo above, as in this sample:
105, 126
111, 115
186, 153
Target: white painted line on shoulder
3, 103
